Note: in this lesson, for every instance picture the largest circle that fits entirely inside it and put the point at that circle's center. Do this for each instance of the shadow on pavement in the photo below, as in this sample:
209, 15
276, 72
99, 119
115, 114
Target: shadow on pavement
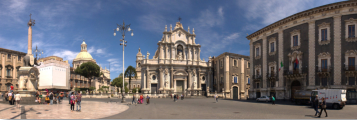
270, 103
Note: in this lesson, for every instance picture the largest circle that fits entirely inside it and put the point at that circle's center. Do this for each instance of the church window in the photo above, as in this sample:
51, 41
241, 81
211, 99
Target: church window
295, 40
9, 56
203, 78
18, 58
154, 77
235, 63
138, 64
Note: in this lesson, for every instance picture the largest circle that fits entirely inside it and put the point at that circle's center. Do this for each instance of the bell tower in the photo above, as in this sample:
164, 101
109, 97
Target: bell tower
83, 47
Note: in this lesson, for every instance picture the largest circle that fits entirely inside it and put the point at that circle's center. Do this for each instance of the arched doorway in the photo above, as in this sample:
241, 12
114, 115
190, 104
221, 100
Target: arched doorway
235, 93
295, 85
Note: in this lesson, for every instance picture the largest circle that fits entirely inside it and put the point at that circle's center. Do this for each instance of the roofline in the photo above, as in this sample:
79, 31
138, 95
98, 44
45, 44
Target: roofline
308, 12
13, 51
229, 53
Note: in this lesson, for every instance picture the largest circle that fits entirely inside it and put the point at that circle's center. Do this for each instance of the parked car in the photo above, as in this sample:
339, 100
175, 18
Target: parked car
264, 98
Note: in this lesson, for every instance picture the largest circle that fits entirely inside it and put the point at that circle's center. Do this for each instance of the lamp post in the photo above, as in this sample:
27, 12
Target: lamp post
123, 29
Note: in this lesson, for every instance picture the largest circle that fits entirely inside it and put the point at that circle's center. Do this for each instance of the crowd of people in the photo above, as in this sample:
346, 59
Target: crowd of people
140, 99
50, 97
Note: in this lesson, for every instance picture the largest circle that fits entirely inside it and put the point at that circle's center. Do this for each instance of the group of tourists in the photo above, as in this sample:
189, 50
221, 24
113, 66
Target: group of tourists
140, 99
75, 98
49, 97
12, 97
176, 97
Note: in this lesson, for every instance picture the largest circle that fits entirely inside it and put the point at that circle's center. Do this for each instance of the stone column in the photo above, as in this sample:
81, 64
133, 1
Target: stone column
161, 71
193, 54
161, 52
143, 79
337, 50
148, 82
209, 79
218, 77
29, 42
172, 78
198, 79
198, 54
281, 59
189, 78
167, 52
173, 55
311, 53
189, 53
264, 53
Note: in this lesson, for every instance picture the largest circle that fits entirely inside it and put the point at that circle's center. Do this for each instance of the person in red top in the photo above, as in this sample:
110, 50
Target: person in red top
11, 88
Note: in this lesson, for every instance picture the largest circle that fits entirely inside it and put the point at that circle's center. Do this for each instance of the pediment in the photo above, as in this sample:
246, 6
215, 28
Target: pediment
181, 73
178, 30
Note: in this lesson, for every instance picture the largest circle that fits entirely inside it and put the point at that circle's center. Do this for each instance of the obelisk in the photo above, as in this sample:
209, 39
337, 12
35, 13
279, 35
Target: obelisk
29, 42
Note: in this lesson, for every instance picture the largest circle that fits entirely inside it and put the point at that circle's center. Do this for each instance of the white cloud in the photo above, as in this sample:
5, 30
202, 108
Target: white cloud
66, 54
91, 49
115, 64
270, 11
100, 51
208, 18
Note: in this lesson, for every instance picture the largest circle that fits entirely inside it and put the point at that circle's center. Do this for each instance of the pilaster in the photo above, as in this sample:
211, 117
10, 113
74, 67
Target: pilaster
242, 75
148, 79
161, 83
281, 58
172, 78
337, 50
312, 56
189, 78
264, 53
226, 76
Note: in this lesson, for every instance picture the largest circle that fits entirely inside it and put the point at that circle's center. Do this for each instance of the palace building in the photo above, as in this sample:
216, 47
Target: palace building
313, 49
10, 63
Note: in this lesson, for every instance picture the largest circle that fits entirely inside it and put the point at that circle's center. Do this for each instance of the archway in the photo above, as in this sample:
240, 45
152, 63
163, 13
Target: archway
295, 85
235, 93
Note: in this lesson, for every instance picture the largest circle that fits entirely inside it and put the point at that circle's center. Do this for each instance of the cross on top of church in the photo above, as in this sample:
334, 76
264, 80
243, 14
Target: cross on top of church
179, 19
30, 16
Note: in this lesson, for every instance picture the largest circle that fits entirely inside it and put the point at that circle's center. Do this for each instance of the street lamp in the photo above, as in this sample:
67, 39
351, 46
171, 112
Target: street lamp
123, 29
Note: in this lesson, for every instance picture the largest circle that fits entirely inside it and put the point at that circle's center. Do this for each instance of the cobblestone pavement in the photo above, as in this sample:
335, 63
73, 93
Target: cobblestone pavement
206, 108
90, 110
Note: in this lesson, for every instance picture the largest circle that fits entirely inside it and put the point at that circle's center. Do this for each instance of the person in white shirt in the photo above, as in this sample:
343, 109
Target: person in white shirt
18, 98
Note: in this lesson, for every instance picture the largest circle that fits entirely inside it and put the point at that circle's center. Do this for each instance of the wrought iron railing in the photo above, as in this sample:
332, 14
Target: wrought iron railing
257, 76
296, 71
351, 67
324, 69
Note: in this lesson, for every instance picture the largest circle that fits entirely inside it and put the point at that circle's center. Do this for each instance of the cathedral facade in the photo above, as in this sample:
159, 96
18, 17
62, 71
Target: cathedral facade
176, 66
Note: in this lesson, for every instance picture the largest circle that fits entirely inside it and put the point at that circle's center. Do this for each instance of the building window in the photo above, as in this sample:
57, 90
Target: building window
8, 72
138, 86
351, 63
351, 31
296, 40
235, 63
221, 80
323, 34
154, 77
258, 85
134, 86
248, 65
256, 52
9, 56
351, 80
248, 80
324, 65
235, 79
272, 47
258, 72
18, 58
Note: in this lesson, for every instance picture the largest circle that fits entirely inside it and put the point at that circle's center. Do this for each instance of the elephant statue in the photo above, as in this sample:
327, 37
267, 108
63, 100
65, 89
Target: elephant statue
27, 60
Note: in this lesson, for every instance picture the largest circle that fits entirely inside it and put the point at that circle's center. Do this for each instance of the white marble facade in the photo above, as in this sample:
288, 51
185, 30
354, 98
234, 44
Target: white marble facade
176, 65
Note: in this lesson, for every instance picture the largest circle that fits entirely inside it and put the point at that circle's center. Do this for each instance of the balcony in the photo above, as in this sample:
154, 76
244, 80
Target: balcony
257, 77
271, 76
298, 73
9, 76
350, 67
324, 69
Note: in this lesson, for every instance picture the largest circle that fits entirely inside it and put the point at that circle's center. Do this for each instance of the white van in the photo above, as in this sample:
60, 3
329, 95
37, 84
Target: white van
335, 98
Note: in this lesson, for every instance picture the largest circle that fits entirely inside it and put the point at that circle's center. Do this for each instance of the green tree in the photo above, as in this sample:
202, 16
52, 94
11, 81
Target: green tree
129, 73
88, 70
77, 89
118, 82
91, 88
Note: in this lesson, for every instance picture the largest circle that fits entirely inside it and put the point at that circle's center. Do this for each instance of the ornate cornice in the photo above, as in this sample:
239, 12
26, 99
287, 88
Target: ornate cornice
295, 31
324, 55
324, 24
351, 52
326, 42
306, 13
257, 66
272, 63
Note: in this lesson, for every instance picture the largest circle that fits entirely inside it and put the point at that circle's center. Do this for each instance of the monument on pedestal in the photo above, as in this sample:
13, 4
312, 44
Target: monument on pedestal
28, 74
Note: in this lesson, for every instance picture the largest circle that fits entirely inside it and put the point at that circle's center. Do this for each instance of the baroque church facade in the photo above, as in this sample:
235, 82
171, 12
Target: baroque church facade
176, 66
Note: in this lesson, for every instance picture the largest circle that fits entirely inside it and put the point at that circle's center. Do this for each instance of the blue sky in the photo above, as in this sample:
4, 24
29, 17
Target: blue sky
220, 25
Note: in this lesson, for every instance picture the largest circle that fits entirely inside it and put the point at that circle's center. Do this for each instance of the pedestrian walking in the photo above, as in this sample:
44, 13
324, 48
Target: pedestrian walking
6, 96
72, 101
273, 100
79, 99
216, 97
141, 99
39, 100
132, 102
174, 97
51, 98
147, 99
323, 107
18, 98
315, 104
9, 95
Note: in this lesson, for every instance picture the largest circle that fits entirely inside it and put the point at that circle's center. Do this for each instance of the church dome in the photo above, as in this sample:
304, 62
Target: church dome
84, 56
